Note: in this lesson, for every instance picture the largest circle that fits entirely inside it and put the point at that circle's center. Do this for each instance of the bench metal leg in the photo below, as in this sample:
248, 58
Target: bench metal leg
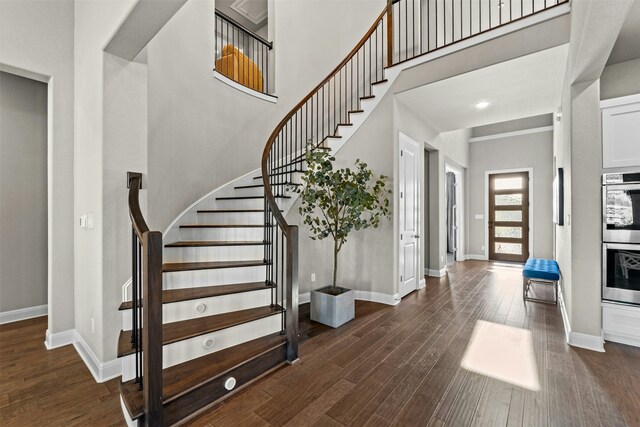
526, 284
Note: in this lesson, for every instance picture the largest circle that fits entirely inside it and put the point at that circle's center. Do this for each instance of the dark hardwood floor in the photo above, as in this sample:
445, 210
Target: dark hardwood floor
390, 366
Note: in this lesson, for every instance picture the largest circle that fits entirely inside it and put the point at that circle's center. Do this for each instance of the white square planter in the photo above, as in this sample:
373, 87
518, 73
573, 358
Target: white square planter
332, 310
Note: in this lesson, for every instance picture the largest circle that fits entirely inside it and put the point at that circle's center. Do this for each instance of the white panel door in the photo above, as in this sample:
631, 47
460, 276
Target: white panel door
409, 214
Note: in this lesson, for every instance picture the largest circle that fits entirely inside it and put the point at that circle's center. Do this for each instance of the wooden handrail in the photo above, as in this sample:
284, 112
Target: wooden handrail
265, 154
134, 184
147, 285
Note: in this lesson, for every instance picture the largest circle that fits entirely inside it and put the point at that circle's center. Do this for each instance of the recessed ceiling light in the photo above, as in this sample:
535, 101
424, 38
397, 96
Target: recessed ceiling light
482, 105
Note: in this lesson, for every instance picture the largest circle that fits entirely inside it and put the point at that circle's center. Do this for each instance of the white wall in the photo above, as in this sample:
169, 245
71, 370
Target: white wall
204, 133
366, 262
99, 108
36, 40
620, 79
534, 151
578, 149
23, 192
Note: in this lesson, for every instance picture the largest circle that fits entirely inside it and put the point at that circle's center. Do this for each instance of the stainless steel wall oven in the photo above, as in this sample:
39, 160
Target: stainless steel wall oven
621, 237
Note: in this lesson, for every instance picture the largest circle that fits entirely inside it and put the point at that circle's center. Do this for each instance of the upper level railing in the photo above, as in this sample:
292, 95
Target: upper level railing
146, 281
405, 30
422, 26
242, 55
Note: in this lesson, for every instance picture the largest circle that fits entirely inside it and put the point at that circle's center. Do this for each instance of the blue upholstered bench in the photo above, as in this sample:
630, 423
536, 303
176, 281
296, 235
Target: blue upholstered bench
542, 271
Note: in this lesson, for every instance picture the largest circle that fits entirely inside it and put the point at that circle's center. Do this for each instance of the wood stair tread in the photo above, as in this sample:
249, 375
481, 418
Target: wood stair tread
178, 331
173, 267
249, 197
367, 97
188, 376
185, 294
222, 226
379, 82
229, 210
207, 243
262, 185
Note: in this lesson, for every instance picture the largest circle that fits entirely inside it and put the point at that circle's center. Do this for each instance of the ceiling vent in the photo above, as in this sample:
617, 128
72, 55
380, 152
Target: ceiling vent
253, 10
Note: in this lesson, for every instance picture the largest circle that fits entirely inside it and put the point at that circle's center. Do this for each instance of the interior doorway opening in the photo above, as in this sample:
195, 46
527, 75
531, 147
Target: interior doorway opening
453, 220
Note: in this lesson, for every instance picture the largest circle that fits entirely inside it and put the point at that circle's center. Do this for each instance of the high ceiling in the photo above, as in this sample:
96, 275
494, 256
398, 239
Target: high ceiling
523, 87
627, 46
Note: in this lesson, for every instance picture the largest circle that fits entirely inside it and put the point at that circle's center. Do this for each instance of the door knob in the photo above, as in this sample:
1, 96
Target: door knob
417, 236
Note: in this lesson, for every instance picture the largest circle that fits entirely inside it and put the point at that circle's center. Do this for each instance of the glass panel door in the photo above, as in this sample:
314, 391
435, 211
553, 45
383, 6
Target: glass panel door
509, 217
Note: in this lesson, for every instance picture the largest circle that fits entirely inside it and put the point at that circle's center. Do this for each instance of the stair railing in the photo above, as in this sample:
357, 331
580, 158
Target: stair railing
146, 280
405, 30
307, 127
241, 54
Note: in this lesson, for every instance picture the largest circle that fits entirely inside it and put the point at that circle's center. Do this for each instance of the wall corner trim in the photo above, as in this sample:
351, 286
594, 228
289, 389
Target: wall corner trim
23, 314
578, 339
58, 339
436, 273
101, 371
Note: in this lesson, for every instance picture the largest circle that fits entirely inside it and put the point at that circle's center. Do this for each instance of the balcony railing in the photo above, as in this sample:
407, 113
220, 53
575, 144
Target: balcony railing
242, 55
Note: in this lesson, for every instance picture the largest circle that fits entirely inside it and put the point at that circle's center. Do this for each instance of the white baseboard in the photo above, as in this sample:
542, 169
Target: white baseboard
59, 339
622, 339
590, 342
435, 273
360, 296
578, 339
23, 314
101, 371
476, 257
565, 316
304, 298
422, 283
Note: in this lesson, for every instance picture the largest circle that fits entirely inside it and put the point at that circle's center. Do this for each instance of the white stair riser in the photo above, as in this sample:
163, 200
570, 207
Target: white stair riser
254, 191
182, 351
214, 253
221, 276
235, 234
185, 310
230, 218
240, 203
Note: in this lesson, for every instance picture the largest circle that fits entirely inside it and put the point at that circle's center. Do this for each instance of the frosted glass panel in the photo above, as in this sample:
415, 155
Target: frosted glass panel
509, 216
511, 232
509, 248
508, 199
508, 183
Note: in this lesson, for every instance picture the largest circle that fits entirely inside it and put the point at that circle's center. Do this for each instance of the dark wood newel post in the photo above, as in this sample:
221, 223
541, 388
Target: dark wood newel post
389, 33
152, 330
292, 293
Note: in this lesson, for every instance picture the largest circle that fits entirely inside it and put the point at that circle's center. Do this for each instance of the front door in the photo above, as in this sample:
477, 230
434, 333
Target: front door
409, 214
509, 217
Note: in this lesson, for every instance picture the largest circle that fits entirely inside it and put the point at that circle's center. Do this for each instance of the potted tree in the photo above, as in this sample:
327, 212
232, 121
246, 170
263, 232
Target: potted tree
335, 202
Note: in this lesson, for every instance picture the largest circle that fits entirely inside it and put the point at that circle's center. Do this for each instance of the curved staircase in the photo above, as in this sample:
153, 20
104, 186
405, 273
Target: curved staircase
218, 290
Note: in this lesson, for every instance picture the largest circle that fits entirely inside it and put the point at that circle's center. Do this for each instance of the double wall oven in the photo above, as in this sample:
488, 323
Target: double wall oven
621, 237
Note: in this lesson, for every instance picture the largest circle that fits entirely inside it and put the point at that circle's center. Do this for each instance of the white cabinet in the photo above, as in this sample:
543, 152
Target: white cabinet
621, 132
621, 323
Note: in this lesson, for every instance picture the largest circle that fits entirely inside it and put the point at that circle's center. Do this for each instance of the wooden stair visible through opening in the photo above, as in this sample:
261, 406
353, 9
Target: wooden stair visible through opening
185, 294
178, 331
198, 383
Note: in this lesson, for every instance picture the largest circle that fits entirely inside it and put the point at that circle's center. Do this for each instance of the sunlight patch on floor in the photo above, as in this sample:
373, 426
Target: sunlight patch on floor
504, 353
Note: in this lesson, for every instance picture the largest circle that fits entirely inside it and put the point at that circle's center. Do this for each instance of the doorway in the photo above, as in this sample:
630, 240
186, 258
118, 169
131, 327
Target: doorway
23, 198
453, 203
409, 214
508, 216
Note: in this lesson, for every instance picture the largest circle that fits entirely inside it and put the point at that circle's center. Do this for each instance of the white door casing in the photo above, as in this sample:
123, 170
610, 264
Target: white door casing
409, 214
